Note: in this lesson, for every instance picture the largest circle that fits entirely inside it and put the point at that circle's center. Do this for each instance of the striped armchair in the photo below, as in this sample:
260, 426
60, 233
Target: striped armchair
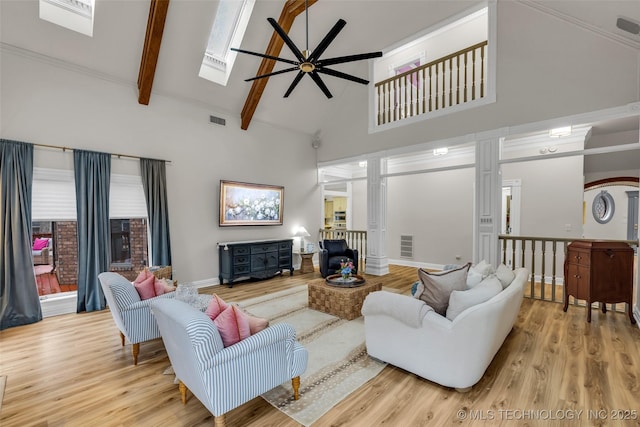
131, 314
225, 378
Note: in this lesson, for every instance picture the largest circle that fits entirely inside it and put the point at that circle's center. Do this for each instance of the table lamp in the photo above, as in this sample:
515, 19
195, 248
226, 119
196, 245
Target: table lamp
302, 233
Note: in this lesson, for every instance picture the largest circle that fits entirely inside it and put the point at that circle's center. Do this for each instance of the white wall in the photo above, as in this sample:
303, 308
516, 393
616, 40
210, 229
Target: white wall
45, 104
437, 45
359, 205
546, 68
616, 228
551, 196
437, 209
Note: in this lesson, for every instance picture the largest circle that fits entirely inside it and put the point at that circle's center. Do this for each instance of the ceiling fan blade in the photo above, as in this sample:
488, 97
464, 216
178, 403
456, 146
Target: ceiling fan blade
286, 70
286, 39
275, 58
293, 85
348, 58
342, 75
316, 78
326, 41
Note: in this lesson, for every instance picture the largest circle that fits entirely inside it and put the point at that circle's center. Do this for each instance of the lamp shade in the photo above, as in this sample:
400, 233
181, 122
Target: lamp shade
302, 232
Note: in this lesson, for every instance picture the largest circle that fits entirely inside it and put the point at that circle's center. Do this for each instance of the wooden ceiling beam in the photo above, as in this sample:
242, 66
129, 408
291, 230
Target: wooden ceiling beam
151, 49
291, 9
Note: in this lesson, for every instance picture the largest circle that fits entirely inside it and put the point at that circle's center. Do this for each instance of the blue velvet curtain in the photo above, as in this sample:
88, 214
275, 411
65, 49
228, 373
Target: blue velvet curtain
154, 181
19, 302
92, 175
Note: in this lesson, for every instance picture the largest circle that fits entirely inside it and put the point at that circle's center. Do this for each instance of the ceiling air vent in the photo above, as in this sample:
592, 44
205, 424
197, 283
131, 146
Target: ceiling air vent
628, 25
406, 246
217, 120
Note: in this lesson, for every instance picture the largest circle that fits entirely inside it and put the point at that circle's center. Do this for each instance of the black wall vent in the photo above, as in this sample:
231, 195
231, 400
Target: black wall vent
217, 120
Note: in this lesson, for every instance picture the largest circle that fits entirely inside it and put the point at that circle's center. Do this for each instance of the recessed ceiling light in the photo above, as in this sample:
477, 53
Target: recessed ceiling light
561, 131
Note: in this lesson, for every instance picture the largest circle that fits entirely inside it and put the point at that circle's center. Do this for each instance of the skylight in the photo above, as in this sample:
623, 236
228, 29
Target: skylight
76, 15
229, 26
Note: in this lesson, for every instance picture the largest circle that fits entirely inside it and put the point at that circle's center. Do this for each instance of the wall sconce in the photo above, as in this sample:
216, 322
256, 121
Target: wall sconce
559, 132
440, 151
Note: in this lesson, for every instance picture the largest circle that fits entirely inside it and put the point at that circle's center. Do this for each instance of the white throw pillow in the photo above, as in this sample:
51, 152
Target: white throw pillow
459, 301
478, 272
505, 275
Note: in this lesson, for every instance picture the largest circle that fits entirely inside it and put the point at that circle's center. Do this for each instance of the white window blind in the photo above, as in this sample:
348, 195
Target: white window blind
54, 196
126, 197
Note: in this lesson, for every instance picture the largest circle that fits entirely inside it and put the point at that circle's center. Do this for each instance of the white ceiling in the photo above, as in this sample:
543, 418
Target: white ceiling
114, 51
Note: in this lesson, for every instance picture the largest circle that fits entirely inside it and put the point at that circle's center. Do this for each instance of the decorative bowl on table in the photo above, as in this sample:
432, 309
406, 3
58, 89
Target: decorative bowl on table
338, 280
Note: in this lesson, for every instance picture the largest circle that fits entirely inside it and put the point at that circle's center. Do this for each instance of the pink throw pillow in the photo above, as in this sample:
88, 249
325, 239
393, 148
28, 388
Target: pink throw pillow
168, 285
216, 306
40, 244
256, 324
158, 286
143, 275
146, 288
233, 325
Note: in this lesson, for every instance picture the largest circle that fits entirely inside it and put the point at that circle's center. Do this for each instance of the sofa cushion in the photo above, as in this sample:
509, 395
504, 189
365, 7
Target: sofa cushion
215, 307
146, 287
435, 288
256, 324
459, 301
505, 275
40, 244
478, 272
335, 246
233, 325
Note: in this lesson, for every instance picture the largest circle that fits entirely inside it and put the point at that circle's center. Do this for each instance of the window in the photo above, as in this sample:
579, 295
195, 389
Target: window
120, 241
229, 26
76, 15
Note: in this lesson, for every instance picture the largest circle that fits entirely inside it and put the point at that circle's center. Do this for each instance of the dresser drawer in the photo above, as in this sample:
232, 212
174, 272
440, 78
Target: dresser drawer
284, 246
260, 249
241, 269
580, 257
241, 250
240, 259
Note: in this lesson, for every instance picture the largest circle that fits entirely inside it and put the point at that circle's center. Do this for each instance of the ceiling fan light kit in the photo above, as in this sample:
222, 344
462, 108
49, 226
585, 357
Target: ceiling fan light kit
309, 62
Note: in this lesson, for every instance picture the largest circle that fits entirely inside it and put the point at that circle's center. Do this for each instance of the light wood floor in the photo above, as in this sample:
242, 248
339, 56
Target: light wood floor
70, 370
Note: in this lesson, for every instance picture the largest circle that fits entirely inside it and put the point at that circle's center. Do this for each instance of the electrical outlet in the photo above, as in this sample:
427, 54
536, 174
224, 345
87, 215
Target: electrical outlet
567, 227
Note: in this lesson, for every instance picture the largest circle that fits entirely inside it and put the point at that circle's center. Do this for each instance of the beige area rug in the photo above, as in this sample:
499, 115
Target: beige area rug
338, 361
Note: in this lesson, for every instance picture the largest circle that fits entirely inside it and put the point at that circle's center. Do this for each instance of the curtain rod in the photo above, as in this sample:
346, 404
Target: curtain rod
129, 156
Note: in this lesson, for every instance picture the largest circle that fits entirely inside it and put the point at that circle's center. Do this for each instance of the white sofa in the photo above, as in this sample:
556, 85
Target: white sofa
406, 332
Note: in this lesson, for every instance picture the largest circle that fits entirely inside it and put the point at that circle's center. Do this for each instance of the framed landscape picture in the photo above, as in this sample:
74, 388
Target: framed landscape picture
242, 203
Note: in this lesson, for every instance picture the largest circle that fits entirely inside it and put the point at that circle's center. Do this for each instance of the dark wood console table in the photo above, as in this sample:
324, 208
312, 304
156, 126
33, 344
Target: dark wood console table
599, 271
257, 259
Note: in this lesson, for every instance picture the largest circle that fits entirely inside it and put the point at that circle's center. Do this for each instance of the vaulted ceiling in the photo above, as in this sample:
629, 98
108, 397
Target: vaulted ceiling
115, 50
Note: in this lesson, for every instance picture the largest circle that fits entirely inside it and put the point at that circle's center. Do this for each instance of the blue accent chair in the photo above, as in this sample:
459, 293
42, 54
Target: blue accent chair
131, 314
225, 378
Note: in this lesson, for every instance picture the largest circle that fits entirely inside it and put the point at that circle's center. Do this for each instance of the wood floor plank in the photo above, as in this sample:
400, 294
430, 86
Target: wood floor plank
71, 370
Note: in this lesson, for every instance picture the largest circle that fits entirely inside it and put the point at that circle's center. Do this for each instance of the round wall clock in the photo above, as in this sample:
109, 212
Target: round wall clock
603, 207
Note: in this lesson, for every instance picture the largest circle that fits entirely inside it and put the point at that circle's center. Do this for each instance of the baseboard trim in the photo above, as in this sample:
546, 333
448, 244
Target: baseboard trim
636, 314
58, 304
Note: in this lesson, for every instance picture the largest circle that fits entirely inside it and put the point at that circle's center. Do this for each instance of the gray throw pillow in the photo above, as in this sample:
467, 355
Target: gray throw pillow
435, 288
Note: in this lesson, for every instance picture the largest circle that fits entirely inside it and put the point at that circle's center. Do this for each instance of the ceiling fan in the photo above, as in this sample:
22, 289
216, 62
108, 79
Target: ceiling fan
309, 62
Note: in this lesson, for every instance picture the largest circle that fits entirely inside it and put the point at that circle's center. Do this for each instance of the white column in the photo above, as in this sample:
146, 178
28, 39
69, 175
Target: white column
377, 261
488, 192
